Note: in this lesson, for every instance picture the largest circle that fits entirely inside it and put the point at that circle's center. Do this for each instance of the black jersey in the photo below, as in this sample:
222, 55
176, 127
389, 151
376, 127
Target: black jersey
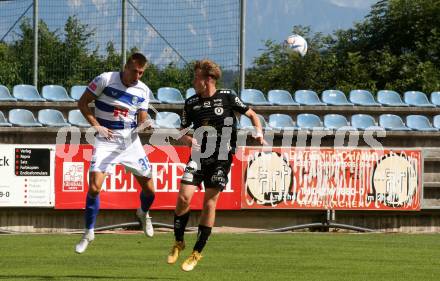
217, 112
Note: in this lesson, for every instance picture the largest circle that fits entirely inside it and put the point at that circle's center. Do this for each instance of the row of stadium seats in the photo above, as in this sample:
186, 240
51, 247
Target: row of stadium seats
250, 96
46, 117
391, 122
306, 121
338, 98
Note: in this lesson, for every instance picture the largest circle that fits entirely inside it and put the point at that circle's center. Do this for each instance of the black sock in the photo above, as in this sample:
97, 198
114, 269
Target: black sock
202, 237
180, 225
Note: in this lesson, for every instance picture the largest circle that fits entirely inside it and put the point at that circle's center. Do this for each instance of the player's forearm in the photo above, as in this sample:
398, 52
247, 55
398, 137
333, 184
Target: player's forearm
144, 122
87, 113
256, 123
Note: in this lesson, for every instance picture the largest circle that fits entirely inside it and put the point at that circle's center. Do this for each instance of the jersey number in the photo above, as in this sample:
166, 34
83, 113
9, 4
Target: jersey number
144, 163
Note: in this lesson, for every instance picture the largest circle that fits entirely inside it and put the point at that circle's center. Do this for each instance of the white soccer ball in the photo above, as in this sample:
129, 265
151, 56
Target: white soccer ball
296, 43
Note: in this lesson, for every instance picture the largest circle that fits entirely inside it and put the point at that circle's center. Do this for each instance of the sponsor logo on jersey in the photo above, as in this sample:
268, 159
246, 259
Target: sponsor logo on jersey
207, 104
239, 102
197, 107
218, 100
92, 86
193, 99
117, 112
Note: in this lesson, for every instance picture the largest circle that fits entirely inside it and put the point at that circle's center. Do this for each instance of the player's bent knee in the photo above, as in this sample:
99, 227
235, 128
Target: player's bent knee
94, 189
183, 201
210, 205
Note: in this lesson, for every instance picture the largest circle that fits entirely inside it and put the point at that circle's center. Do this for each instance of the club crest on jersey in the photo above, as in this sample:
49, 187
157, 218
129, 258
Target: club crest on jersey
134, 100
219, 110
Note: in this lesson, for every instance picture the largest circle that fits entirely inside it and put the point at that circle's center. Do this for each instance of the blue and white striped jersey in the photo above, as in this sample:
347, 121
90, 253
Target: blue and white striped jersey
116, 105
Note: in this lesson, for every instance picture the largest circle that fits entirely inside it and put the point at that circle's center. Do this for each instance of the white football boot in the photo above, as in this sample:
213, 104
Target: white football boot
147, 224
87, 238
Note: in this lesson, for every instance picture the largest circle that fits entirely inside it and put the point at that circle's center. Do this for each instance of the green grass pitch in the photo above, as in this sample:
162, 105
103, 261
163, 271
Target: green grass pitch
289, 256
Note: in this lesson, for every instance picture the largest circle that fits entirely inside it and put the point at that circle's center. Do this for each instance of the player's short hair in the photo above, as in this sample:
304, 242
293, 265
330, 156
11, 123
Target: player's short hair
208, 68
137, 58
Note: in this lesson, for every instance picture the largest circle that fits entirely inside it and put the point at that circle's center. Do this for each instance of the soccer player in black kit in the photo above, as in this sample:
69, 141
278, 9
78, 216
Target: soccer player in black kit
212, 114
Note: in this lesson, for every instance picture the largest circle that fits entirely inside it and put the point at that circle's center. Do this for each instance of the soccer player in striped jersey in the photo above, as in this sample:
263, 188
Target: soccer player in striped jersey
121, 104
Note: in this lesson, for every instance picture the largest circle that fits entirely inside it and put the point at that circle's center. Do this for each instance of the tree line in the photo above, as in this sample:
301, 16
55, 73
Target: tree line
396, 46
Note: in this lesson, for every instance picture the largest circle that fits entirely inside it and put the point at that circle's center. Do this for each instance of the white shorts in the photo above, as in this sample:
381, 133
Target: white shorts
130, 154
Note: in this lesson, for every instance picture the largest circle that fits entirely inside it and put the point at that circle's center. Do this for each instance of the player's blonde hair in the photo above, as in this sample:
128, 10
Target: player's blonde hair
208, 68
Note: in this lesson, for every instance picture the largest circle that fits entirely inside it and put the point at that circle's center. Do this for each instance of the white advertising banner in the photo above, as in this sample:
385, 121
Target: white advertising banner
27, 175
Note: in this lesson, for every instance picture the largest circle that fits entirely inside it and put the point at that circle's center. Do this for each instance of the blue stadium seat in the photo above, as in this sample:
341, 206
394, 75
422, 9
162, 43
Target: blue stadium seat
26, 93
416, 98
55, 93
335, 97
436, 121
77, 91
23, 118
282, 122
336, 122
391, 122
254, 97
280, 97
364, 122
309, 121
190, 92
153, 98
76, 118
420, 123
363, 98
390, 98
52, 118
169, 120
5, 95
435, 98
307, 97
170, 95
246, 123
3, 121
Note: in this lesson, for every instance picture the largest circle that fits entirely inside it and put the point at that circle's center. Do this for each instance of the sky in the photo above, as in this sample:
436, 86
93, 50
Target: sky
274, 19
184, 24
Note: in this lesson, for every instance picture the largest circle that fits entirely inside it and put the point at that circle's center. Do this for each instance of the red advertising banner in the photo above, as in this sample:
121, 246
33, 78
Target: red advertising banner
121, 190
338, 179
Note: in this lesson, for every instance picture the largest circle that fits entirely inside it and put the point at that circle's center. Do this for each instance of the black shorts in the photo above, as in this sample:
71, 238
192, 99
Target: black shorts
213, 173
